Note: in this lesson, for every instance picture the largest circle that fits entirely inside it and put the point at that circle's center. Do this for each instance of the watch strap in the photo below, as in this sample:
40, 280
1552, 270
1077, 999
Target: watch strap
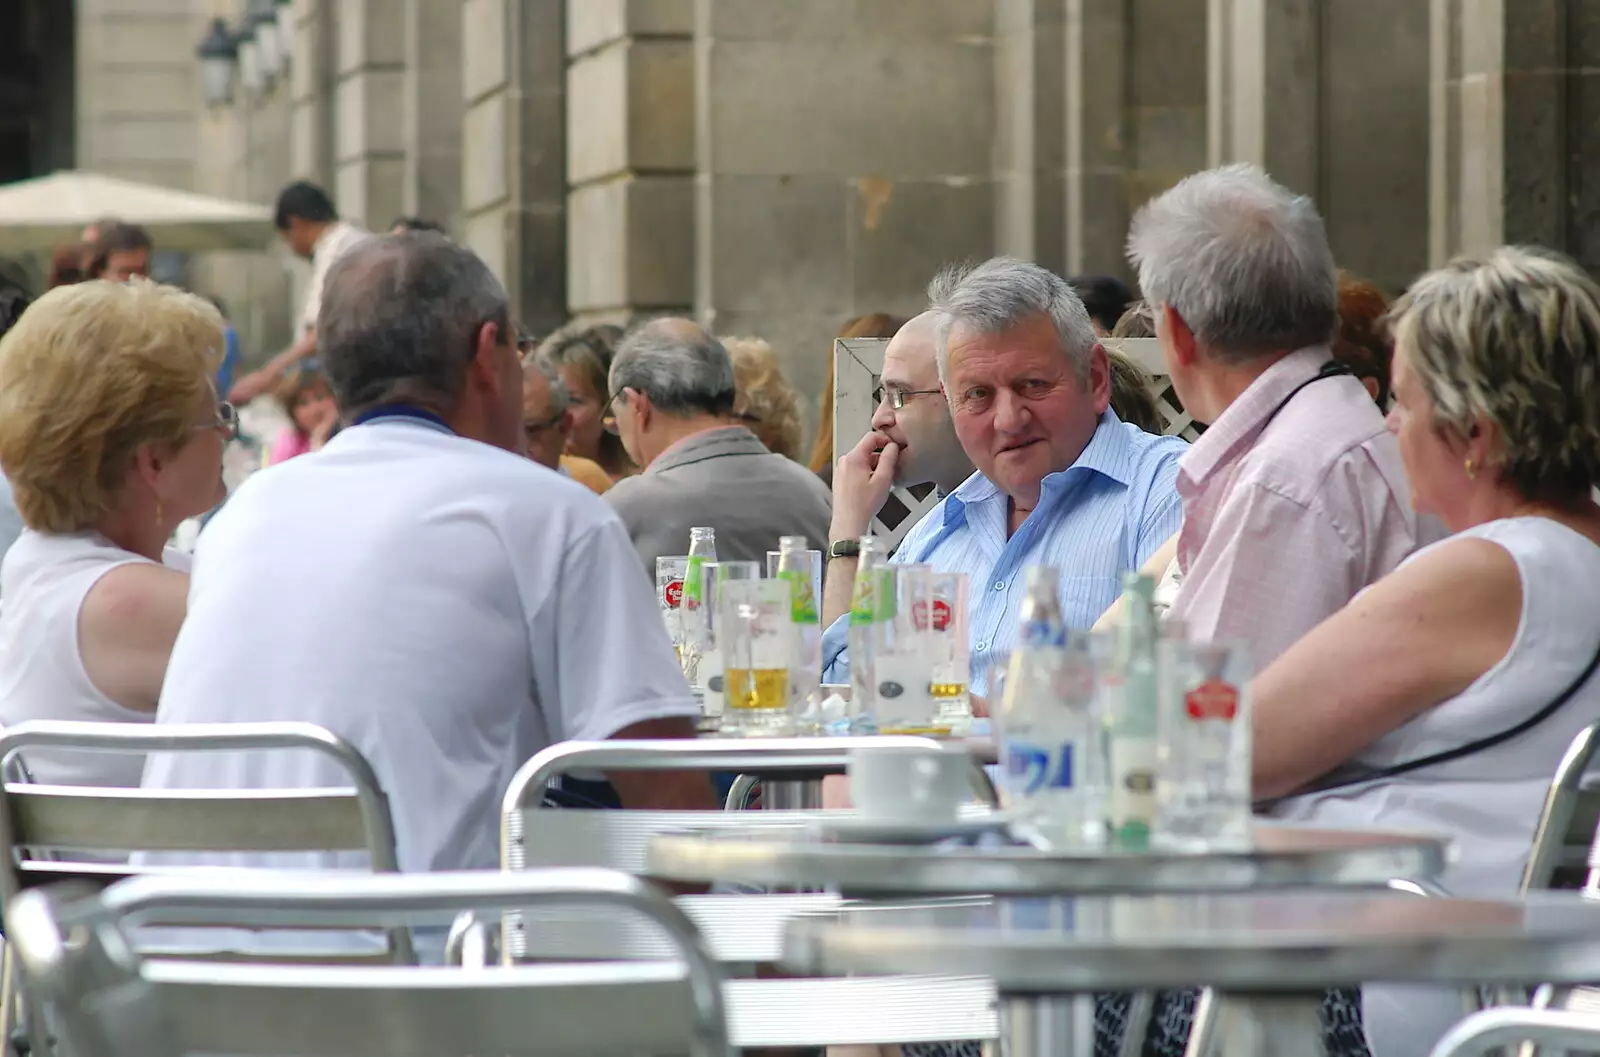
845, 549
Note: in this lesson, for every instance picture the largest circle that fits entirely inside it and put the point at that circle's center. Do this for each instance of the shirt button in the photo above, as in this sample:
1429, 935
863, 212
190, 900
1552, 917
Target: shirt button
982, 646
999, 585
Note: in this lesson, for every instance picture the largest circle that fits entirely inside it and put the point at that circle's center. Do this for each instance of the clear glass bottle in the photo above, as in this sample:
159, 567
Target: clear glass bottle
696, 625
1133, 711
871, 603
1049, 730
805, 677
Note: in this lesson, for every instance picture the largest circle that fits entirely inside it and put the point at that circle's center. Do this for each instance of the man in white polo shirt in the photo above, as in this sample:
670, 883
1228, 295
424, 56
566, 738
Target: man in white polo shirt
418, 587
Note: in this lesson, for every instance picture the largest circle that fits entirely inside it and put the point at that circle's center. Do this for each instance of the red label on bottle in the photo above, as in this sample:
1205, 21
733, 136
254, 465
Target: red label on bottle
941, 614
1212, 699
674, 593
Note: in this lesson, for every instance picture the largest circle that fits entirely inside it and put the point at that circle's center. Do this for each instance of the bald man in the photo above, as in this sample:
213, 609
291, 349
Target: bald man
912, 442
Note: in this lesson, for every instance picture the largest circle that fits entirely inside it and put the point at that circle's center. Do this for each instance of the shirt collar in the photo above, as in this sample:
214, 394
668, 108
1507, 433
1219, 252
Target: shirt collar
1110, 452
708, 444
1243, 419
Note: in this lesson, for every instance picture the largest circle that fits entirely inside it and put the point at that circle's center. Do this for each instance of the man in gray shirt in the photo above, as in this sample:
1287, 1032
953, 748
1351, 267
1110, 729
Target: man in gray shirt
672, 395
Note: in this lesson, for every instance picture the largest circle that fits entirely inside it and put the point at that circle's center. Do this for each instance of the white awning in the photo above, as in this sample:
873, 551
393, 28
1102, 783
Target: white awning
48, 211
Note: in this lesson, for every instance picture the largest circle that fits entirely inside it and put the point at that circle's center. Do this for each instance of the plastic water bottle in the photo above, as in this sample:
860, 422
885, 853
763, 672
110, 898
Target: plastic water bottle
1052, 744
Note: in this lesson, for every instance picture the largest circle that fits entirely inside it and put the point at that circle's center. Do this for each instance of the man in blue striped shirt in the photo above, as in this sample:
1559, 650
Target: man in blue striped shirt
1061, 481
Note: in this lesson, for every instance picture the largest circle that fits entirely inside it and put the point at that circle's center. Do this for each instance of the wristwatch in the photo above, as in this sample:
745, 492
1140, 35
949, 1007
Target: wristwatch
844, 549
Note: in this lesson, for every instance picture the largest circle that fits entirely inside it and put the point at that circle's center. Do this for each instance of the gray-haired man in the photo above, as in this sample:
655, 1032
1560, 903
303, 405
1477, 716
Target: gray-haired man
672, 393
420, 588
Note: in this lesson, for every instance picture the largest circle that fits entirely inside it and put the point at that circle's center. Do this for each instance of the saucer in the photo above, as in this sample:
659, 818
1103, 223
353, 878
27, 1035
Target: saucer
867, 829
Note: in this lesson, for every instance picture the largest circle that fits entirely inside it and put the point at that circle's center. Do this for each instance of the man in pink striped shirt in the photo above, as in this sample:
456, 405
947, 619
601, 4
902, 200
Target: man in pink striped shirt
1294, 499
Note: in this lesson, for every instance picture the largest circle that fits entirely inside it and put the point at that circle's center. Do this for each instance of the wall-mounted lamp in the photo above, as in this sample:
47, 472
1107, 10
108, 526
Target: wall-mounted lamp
218, 55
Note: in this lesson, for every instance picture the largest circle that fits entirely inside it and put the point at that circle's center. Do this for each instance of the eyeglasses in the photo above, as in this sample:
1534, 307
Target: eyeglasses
532, 430
897, 397
608, 417
227, 421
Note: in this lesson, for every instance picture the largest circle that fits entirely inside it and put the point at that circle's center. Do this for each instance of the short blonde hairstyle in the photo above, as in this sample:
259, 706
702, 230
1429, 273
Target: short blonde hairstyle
764, 399
91, 373
1512, 337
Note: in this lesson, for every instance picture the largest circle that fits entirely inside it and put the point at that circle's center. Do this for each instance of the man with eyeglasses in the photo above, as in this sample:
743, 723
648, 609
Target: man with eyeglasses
912, 442
547, 422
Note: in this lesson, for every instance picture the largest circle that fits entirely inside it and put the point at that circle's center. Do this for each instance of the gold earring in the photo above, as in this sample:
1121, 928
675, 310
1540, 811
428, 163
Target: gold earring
159, 518
1472, 470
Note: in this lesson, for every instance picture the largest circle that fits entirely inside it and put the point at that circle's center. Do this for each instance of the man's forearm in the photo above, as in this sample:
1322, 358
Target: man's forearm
259, 381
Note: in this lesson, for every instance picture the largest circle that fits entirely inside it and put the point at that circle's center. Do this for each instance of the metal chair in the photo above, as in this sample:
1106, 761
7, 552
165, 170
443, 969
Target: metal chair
41, 826
742, 930
110, 1002
1567, 821
1492, 1029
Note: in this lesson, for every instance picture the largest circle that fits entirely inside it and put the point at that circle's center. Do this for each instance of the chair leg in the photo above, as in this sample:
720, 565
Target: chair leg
1205, 1024
1140, 1010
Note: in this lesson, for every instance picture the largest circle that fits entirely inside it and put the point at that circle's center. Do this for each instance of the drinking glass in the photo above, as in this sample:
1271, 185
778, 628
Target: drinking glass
756, 637
1203, 748
670, 572
892, 686
948, 652
703, 663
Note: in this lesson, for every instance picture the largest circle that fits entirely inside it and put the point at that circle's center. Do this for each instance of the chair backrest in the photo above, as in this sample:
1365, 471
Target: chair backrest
37, 821
857, 365
107, 1000
1568, 820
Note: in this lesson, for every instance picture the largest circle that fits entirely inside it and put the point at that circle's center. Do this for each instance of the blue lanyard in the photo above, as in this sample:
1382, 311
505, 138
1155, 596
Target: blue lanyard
403, 411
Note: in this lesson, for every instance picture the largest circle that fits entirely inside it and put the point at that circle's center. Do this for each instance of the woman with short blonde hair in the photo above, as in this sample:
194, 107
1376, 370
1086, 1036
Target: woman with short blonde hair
764, 400
1442, 698
111, 435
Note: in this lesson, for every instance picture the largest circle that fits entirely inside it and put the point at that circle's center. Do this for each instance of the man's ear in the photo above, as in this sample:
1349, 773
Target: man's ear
1184, 345
483, 370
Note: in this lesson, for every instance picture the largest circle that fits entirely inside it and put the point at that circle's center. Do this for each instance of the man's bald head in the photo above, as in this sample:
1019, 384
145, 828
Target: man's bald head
678, 365
921, 427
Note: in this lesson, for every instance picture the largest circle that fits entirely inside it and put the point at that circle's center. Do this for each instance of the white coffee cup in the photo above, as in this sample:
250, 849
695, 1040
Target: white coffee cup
903, 783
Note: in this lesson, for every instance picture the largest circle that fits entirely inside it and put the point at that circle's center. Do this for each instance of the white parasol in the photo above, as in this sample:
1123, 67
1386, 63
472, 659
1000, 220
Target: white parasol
49, 211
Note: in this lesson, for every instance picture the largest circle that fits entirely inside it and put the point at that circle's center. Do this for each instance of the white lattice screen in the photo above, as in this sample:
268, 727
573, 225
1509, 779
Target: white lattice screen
857, 362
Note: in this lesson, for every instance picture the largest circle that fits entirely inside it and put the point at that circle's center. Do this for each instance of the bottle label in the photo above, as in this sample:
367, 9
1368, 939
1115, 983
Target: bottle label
901, 702
802, 606
1133, 788
693, 585
873, 600
709, 675
1031, 767
1212, 699
673, 594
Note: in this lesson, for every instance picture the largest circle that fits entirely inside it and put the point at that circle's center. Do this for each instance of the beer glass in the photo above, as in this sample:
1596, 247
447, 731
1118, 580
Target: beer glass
704, 664
891, 683
1203, 745
669, 597
756, 637
948, 652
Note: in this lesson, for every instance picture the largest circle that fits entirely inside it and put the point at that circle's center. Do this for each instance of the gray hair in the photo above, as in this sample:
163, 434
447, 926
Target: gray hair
560, 395
399, 319
1242, 259
678, 365
1003, 293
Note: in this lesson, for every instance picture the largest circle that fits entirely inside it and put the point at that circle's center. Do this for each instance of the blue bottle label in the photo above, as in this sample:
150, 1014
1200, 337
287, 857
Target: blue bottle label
1030, 768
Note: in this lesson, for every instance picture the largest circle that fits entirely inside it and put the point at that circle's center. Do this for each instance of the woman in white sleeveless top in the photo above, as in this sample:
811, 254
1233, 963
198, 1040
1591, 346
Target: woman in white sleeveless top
111, 434
1497, 388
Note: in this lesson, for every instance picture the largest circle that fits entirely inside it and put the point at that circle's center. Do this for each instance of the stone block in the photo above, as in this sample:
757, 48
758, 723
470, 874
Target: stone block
631, 243
912, 20
540, 294
1096, 223
1169, 139
484, 165
774, 242
1535, 34
371, 33
871, 107
774, 20
305, 138
151, 39
595, 23
370, 107
370, 191
903, 232
1534, 157
1583, 169
140, 90
305, 74
141, 139
484, 233
540, 159
485, 44
1167, 39
631, 109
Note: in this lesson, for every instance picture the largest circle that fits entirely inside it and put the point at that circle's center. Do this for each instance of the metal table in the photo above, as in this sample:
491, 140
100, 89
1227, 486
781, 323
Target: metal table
1270, 957
1280, 857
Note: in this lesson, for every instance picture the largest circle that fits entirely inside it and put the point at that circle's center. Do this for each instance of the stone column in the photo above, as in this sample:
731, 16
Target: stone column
369, 140
630, 158
1514, 93
431, 126
513, 181
1331, 98
843, 154
1031, 77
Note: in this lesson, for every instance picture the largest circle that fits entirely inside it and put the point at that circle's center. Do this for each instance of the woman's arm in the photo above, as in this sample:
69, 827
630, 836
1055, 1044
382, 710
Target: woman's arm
1419, 636
126, 627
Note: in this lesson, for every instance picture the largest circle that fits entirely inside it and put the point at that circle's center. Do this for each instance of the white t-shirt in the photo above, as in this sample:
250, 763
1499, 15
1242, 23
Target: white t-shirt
334, 243
448, 608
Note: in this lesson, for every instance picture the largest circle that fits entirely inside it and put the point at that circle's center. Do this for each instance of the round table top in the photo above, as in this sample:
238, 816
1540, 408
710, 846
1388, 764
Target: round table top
1274, 942
1279, 857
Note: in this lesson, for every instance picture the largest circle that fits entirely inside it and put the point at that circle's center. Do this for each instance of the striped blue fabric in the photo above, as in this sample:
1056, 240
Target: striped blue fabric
1100, 517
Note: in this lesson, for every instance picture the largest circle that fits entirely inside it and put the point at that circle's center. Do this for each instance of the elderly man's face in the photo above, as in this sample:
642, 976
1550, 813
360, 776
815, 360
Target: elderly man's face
545, 432
1018, 406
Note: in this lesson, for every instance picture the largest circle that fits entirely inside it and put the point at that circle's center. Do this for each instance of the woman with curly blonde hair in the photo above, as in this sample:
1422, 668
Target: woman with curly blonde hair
111, 434
764, 400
